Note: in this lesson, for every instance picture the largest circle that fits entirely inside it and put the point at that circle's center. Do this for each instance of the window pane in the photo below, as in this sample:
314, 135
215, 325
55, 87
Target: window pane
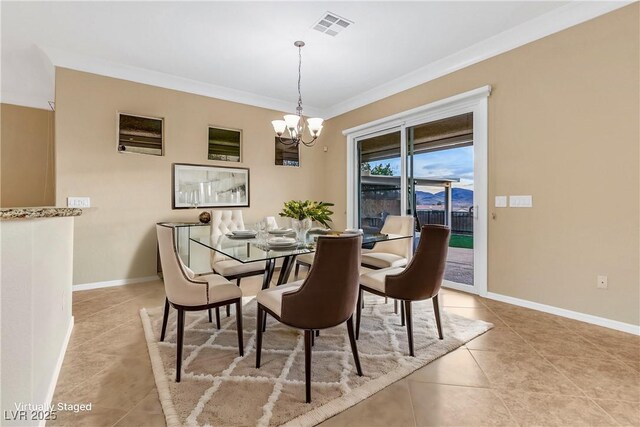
379, 159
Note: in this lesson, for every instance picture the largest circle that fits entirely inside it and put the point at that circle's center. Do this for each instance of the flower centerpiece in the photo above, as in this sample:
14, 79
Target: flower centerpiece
303, 213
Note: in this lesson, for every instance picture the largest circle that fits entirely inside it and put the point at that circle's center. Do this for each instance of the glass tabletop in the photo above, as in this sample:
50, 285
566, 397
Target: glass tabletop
254, 249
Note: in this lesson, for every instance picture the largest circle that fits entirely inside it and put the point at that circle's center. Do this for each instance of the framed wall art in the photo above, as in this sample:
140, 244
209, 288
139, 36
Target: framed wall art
224, 144
205, 186
140, 134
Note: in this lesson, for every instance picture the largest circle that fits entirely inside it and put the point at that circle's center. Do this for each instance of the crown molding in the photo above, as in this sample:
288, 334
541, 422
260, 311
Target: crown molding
65, 59
552, 22
544, 25
40, 101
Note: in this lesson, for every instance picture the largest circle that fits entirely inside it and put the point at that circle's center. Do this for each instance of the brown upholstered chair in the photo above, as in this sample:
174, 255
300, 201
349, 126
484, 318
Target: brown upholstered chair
186, 292
420, 280
326, 298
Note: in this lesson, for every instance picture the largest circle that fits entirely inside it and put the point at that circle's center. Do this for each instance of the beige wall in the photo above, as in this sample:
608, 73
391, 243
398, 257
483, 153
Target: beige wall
26, 149
115, 238
564, 127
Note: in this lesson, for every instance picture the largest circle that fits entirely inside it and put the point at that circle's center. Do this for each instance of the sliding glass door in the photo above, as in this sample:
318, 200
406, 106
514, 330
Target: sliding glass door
429, 162
440, 187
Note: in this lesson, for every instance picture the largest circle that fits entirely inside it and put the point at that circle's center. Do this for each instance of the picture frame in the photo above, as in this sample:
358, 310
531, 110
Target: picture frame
207, 186
224, 144
138, 134
286, 155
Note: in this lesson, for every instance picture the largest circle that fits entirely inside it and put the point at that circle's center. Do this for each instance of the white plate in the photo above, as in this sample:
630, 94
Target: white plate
282, 241
280, 231
283, 247
240, 236
244, 233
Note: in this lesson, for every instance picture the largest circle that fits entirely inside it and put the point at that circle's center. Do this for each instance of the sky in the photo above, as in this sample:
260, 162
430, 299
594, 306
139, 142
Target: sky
453, 163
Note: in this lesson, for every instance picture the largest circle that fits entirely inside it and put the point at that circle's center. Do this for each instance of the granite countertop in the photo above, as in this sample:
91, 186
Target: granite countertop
29, 213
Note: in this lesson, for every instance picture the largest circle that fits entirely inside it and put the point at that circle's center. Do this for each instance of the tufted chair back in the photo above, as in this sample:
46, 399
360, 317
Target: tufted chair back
271, 222
223, 222
394, 224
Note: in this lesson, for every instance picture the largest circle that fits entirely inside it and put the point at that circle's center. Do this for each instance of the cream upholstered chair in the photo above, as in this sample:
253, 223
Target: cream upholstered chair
420, 280
304, 260
223, 222
186, 292
271, 222
394, 253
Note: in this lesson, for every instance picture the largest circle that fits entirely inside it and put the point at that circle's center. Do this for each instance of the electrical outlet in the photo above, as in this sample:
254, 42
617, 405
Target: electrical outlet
520, 201
78, 202
501, 201
602, 282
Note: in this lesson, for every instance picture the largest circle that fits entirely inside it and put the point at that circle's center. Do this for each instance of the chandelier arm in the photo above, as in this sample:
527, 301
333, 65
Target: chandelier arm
287, 142
309, 143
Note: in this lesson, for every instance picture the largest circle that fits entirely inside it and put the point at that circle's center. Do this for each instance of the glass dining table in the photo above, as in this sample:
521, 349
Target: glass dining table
255, 249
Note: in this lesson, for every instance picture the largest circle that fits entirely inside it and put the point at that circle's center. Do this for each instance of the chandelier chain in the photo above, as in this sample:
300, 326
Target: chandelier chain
299, 78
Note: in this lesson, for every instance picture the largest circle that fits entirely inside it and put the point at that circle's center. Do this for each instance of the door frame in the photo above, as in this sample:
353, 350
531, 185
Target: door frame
474, 101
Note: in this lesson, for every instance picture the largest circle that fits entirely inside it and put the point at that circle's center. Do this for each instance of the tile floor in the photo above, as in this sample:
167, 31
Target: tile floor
531, 369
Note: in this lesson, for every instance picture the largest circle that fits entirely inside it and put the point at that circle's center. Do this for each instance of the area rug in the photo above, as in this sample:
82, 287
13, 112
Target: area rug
219, 388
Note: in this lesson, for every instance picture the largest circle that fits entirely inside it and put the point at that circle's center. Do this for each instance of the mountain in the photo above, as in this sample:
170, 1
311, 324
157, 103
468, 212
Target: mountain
460, 198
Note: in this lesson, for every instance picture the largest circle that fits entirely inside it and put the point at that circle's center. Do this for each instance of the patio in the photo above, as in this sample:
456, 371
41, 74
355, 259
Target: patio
460, 266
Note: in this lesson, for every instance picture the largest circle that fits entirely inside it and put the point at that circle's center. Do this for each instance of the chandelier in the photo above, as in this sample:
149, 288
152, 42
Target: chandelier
294, 124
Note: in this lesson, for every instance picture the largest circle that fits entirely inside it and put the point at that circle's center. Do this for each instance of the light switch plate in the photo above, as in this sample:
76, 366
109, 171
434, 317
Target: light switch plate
501, 201
520, 201
78, 202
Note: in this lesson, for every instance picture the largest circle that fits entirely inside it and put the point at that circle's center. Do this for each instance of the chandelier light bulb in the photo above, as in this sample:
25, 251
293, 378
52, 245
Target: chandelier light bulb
279, 126
315, 125
292, 121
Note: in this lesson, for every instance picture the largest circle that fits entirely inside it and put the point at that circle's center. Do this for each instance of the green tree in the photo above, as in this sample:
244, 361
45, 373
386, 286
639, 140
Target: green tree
382, 170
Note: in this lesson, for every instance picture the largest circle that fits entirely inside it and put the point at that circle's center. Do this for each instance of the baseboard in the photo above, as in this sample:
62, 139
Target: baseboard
459, 287
58, 368
587, 318
110, 283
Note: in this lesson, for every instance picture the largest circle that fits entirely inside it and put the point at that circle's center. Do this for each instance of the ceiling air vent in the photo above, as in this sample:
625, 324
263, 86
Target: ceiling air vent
331, 24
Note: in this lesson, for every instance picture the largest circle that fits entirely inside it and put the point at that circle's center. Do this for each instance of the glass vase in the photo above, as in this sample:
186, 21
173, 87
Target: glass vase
301, 227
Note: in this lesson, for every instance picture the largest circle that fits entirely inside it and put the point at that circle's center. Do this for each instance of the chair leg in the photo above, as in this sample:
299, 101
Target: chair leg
354, 348
401, 313
395, 306
259, 336
264, 322
179, 344
229, 306
358, 313
313, 340
386, 300
436, 310
317, 332
407, 311
165, 318
295, 273
218, 317
239, 326
307, 363
210, 317
228, 310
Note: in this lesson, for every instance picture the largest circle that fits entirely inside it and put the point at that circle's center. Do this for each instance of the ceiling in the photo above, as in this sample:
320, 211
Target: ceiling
243, 51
